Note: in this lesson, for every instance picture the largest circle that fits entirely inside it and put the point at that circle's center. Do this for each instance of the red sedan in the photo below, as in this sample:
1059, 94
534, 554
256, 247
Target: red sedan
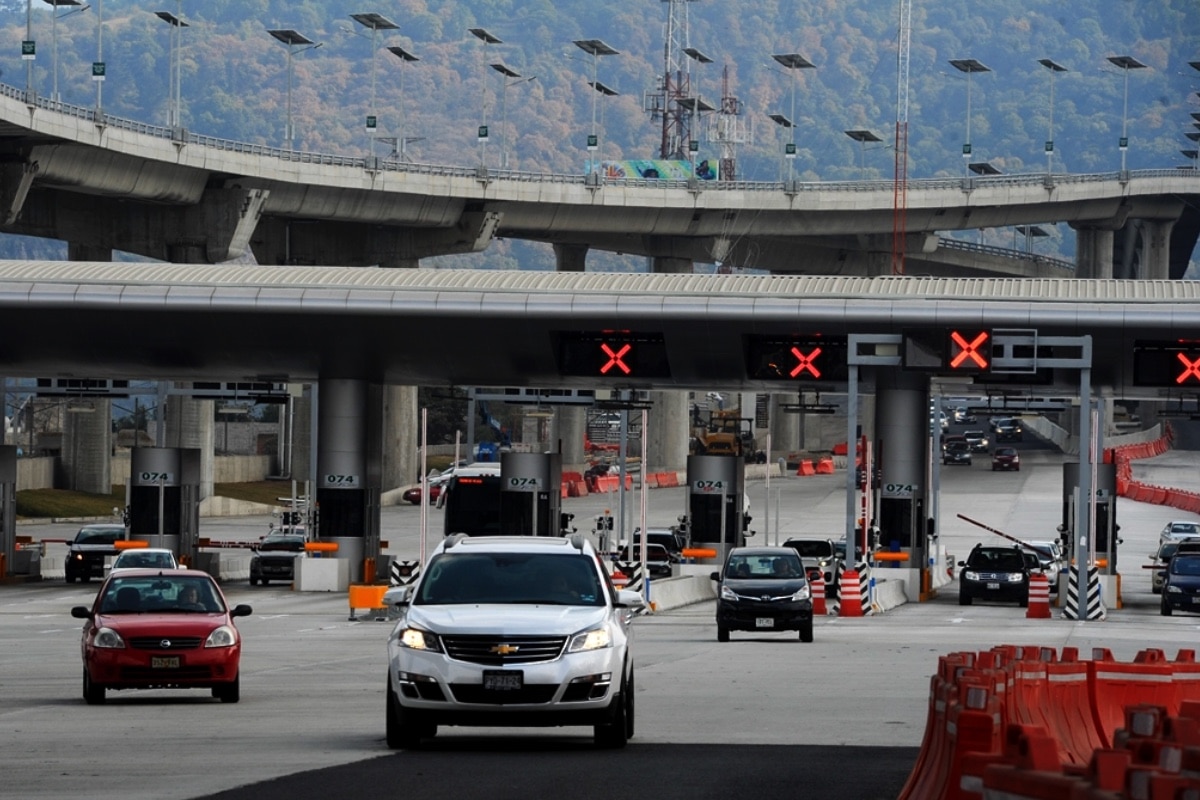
413, 495
160, 629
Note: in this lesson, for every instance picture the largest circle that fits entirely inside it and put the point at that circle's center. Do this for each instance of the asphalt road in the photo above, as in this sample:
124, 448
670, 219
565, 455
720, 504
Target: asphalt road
760, 716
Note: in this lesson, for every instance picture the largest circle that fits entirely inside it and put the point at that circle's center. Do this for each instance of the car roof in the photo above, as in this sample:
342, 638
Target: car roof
515, 544
103, 528
154, 572
762, 551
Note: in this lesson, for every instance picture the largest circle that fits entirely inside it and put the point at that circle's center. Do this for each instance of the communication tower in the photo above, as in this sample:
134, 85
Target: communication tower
671, 99
727, 130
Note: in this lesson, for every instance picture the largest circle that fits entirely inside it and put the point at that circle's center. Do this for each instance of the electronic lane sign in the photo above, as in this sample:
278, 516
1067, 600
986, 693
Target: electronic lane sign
1168, 363
613, 355
948, 350
815, 359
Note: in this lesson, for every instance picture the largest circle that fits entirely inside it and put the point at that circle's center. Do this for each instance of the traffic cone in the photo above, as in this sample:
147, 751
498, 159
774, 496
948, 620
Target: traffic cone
818, 594
1039, 597
850, 595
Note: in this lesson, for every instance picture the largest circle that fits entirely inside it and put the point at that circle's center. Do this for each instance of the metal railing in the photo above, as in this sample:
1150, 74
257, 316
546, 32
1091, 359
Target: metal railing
1002, 252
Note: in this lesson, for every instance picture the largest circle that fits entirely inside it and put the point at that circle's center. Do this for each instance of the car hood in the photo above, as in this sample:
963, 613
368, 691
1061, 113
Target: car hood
506, 619
1189, 582
174, 624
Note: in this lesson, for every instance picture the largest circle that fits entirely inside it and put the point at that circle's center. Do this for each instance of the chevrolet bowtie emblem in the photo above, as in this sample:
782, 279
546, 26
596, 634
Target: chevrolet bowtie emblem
505, 649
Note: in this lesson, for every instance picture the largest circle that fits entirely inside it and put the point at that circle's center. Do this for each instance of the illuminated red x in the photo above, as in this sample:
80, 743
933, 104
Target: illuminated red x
1191, 369
969, 350
806, 362
614, 359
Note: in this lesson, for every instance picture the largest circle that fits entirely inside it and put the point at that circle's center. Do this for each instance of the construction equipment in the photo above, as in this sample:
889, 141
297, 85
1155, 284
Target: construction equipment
725, 433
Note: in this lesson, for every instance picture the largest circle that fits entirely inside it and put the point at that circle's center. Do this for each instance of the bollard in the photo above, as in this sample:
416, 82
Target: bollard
850, 595
818, 593
1039, 597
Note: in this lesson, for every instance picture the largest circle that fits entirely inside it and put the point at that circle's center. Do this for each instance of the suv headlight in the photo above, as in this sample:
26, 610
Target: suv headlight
1174, 589
595, 639
1015, 577
107, 638
971, 575
802, 593
417, 639
728, 594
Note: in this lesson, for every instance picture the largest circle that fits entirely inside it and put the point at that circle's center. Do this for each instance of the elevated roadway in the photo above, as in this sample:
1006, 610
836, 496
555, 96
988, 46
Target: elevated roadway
184, 197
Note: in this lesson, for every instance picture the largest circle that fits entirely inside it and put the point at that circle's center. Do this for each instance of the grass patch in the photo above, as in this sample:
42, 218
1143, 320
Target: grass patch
41, 503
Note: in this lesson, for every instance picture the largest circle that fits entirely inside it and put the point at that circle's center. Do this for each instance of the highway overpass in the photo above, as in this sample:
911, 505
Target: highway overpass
102, 183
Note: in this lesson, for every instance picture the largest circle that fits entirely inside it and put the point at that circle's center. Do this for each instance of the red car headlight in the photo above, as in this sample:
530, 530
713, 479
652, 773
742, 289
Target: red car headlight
108, 639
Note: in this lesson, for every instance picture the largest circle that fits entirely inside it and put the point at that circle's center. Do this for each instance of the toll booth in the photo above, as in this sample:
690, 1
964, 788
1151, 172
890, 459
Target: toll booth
530, 494
1106, 527
8, 508
716, 503
164, 498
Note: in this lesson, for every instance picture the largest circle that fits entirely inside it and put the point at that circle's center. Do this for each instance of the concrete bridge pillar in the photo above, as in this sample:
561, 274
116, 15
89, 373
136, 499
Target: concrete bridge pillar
190, 424
570, 425
785, 426
1093, 252
401, 437
570, 257
667, 445
1155, 257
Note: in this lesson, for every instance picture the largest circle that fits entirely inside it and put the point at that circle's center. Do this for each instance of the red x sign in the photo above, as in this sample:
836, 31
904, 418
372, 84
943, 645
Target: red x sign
970, 355
1191, 369
615, 358
806, 363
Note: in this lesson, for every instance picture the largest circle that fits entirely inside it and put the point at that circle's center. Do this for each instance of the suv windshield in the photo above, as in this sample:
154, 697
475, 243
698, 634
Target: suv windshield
96, 537
811, 549
996, 560
764, 567
468, 578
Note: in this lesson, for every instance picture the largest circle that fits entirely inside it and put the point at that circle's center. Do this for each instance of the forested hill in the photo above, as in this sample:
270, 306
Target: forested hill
235, 78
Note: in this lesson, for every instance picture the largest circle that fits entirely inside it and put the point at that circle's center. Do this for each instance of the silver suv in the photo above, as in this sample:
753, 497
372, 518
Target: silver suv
512, 630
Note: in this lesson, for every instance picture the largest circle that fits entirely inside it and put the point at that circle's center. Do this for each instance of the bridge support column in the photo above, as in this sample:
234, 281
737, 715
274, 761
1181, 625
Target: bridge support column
15, 180
401, 437
1155, 257
902, 422
570, 425
786, 426
670, 265
570, 257
191, 425
1093, 252
667, 445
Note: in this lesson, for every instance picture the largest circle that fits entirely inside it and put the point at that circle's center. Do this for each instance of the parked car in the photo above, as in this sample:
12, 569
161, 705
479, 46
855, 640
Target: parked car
1179, 529
763, 589
88, 551
819, 555
956, 452
145, 558
1181, 589
275, 556
160, 629
413, 494
1006, 458
512, 630
978, 441
994, 573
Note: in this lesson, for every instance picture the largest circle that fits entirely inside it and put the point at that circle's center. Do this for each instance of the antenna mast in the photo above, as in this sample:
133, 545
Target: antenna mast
900, 187
728, 130
673, 85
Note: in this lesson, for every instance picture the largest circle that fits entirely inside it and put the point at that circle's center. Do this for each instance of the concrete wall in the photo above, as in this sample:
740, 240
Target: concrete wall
38, 473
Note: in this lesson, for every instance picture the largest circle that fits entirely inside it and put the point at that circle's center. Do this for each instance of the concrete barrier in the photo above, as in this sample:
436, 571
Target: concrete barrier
682, 590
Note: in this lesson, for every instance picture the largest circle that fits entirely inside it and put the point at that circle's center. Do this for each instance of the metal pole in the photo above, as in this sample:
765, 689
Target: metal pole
1125, 121
767, 491
99, 53
966, 153
288, 134
54, 54
595, 91
792, 130
29, 38
1050, 135
425, 493
374, 31
177, 35
645, 530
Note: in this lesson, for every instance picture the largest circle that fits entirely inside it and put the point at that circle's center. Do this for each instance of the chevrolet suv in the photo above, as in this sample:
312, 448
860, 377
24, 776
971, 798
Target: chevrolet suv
512, 630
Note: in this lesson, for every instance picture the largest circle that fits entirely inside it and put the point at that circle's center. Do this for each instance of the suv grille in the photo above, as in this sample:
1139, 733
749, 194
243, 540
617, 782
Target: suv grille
491, 650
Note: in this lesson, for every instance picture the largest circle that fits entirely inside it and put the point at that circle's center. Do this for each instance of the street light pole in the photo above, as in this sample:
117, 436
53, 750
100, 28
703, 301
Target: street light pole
1126, 63
862, 137
98, 68
508, 77
291, 39
54, 15
376, 22
794, 62
175, 44
595, 48
405, 58
969, 66
487, 39
1053, 67
28, 47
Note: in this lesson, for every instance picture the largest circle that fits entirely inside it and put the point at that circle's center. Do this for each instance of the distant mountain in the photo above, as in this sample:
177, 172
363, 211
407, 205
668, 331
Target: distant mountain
235, 82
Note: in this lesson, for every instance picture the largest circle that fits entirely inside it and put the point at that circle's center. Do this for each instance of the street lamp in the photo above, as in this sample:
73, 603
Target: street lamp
595, 48
604, 90
1053, 68
695, 105
794, 62
508, 77
862, 137
75, 6
174, 102
969, 66
486, 38
376, 22
292, 39
98, 66
405, 58
1126, 63
28, 46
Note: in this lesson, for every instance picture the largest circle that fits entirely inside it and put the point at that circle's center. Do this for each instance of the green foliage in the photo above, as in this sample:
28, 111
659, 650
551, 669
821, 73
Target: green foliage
42, 503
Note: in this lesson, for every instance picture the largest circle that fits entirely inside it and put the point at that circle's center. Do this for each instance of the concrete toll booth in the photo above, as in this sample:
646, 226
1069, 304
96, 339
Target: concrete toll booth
8, 508
164, 498
530, 494
1105, 549
715, 502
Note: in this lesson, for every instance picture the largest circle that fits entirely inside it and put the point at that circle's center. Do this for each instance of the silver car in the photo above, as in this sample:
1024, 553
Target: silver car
512, 631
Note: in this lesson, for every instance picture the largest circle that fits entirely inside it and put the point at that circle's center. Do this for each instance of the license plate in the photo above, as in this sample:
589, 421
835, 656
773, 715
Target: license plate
993, 586
164, 662
506, 680
764, 622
